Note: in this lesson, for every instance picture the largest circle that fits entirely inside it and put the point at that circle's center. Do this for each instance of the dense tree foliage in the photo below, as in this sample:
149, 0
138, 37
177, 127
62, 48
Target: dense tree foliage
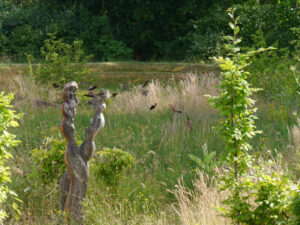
140, 29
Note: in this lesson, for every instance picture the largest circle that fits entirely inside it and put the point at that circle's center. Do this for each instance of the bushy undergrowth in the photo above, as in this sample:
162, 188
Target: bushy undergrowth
49, 160
111, 164
266, 195
8, 118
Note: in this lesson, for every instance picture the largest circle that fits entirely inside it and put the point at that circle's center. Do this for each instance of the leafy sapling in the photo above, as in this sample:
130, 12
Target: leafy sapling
259, 194
237, 122
235, 103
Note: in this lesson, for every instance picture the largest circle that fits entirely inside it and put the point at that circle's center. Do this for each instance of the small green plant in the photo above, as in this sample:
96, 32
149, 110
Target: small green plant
110, 165
8, 119
61, 62
50, 160
207, 163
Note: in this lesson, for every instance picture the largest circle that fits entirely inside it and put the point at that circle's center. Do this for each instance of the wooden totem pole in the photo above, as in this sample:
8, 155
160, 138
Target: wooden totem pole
73, 184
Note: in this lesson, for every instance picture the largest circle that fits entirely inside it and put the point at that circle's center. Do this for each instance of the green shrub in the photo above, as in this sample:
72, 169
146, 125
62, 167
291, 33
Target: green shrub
271, 72
110, 165
60, 62
8, 119
273, 75
265, 196
49, 160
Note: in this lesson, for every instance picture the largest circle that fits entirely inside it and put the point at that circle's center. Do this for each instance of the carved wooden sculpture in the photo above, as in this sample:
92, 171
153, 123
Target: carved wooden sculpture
73, 184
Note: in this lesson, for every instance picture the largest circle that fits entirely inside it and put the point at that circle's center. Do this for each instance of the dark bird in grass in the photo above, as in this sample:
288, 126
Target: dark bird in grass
92, 88
90, 95
189, 122
153, 106
145, 92
124, 86
55, 85
173, 109
91, 92
145, 83
114, 94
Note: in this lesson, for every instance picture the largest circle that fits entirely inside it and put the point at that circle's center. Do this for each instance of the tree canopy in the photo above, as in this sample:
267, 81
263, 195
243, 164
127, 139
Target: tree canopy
140, 29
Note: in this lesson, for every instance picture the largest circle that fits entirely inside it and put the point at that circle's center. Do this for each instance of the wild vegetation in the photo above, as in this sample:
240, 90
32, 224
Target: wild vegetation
163, 186
183, 161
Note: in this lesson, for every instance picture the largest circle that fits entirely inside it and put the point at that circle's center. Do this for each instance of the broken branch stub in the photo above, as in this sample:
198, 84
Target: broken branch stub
73, 184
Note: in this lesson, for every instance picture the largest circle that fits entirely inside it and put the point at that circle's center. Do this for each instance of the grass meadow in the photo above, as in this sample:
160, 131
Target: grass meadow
164, 186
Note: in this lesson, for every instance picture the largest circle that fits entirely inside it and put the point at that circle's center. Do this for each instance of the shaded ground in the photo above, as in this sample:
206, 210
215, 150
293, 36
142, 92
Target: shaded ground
111, 74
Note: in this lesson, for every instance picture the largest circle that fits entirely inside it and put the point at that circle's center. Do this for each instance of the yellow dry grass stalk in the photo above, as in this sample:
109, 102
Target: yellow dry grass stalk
293, 150
294, 136
198, 206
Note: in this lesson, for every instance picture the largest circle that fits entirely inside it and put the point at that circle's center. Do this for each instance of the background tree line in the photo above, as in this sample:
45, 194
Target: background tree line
141, 29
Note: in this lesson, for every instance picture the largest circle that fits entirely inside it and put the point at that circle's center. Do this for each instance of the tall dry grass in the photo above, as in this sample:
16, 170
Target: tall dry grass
26, 90
198, 206
192, 206
294, 136
187, 95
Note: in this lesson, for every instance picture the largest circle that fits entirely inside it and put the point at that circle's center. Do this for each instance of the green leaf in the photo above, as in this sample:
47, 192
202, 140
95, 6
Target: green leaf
236, 30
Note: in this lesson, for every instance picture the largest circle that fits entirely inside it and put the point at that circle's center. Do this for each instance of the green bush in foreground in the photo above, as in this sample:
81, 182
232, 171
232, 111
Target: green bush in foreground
266, 195
8, 119
110, 164
49, 161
